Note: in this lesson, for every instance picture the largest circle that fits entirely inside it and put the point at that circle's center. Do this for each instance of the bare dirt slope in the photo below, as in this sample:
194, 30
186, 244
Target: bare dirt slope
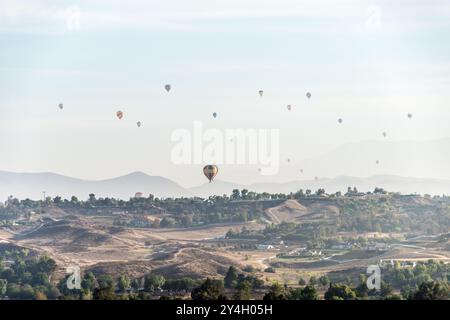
102, 247
294, 211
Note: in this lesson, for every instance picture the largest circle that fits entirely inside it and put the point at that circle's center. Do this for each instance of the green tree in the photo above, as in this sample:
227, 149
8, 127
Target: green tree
52, 292
92, 198
209, 290
106, 288
153, 282
312, 281
89, 282
123, 283
236, 195
167, 222
57, 200
243, 290
339, 292
361, 289
276, 292
431, 291
231, 277
3, 286
306, 293
324, 281
386, 289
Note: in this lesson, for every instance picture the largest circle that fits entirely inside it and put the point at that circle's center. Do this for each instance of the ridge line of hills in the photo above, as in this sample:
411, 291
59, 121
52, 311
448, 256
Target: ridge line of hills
31, 185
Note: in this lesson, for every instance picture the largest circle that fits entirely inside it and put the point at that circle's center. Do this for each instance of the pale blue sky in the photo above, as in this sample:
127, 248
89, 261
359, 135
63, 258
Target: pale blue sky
217, 55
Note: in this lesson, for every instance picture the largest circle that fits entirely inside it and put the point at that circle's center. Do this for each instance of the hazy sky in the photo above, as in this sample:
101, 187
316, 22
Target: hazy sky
367, 62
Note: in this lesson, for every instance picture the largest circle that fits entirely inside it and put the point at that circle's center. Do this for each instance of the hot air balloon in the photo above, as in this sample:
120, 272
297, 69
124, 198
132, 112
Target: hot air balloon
289, 107
261, 92
60, 106
377, 162
210, 171
288, 160
301, 170
167, 87
340, 120
409, 115
215, 114
316, 178
384, 134
139, 124
308, 95
119, 114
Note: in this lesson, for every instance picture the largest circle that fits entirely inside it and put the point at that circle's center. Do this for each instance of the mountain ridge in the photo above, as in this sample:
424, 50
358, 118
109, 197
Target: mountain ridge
32, 185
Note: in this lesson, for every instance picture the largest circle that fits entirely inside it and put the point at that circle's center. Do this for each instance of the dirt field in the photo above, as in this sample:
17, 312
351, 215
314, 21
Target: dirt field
94, 243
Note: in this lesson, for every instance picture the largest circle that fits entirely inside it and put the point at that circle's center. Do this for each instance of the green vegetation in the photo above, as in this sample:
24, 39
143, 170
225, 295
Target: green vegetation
30, 277
377, 211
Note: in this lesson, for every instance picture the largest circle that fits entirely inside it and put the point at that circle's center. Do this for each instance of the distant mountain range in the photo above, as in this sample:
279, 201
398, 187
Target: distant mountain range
383, 163
32, 185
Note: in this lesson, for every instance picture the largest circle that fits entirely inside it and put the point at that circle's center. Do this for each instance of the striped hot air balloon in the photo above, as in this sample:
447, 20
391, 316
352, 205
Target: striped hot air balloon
119, 114
210, 171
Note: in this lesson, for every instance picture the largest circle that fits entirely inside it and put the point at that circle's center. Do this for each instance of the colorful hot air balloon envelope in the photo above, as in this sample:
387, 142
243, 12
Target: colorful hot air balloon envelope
167, 87
119, 114
261, 92
308, 95
60, 106
210, 171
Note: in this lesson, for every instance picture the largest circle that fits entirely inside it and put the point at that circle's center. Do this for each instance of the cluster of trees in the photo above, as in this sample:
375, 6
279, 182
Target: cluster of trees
26, 277
179, 212
216, 290
390, 213
241, 283
395, 213
105, 287
30, 278
383, 212
409, 280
